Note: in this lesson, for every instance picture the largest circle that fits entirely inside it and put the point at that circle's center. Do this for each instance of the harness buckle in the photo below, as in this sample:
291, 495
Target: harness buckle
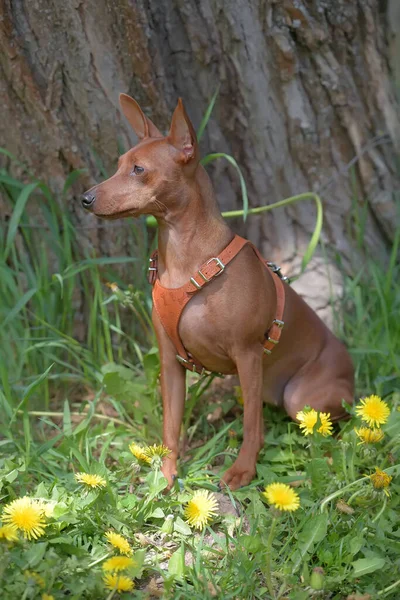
277, 270
188, 364
153, 264
219, 264
279, 323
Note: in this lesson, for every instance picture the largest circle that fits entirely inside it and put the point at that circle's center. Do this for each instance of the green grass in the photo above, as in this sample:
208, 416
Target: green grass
47, 278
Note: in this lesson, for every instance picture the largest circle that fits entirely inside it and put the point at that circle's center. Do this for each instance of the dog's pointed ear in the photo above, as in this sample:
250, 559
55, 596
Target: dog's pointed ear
141, 124
182, 135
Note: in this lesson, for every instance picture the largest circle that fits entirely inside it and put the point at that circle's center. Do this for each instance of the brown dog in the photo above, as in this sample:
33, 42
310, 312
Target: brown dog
232, 308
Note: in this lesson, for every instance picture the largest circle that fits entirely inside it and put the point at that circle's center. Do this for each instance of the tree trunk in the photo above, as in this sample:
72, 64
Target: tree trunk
306, 89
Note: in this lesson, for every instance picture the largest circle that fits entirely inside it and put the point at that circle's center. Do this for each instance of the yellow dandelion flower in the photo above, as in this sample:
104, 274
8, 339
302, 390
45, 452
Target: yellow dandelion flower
120, 583
201, 508
36, 578
118, 563
47, 597
326, 427
93, 481
8, 533
160, 450
26, 515
282, 496
369, 436
381, 480
309, 418
138, 452
373, 410
119, 542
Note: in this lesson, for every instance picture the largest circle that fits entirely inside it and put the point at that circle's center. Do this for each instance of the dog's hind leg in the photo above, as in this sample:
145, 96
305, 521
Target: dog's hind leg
322, 389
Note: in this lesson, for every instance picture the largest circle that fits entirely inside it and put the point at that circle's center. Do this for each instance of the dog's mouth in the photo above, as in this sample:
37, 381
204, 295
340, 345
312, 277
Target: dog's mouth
119, 215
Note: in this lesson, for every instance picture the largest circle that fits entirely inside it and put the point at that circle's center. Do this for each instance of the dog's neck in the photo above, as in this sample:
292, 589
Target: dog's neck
191, 233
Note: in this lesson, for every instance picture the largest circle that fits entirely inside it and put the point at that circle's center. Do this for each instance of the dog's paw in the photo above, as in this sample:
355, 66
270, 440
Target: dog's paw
169, 470
238, 476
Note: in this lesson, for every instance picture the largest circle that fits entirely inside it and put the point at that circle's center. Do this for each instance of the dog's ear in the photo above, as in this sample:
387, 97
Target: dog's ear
141, 124
182, 135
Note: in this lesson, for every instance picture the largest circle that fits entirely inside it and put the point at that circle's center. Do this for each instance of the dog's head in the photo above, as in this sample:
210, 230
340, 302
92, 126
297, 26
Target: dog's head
151, 175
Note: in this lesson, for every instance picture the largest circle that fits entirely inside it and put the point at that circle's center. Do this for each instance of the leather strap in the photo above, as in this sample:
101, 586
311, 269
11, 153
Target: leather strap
169, 303
274, 332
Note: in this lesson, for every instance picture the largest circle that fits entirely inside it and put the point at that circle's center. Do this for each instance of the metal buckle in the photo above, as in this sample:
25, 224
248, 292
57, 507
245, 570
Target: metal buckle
192, 280
219, 263
276, 269
279, 323
185, 362
152, 260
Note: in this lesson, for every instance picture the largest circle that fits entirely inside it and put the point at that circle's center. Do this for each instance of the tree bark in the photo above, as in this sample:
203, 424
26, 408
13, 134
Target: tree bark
306, 88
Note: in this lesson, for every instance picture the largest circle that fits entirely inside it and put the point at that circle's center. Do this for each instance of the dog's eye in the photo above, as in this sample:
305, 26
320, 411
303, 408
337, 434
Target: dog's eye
137, 170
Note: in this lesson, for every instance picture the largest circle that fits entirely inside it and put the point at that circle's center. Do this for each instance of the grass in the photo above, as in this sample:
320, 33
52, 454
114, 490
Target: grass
69, 406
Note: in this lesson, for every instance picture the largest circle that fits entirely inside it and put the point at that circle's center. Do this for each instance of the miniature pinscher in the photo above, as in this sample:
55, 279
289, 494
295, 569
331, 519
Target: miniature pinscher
217, 305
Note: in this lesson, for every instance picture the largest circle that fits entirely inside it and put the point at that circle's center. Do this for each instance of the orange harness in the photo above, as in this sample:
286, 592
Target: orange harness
169, 303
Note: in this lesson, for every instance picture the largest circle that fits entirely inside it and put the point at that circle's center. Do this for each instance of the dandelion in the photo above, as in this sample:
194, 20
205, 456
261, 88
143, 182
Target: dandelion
201, 508
369, 436
309, 418
161, 451
139, 453
373, 410
25, 514
381, 480
47, 597
93, 481
119, 542
282, 496
118, 563
120, 583
8, 533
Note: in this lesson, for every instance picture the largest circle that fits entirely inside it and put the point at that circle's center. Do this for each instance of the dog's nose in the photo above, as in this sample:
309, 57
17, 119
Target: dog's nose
87, 199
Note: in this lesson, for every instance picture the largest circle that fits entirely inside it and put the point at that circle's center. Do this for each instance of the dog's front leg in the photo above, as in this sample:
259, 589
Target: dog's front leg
249, 366
173, 390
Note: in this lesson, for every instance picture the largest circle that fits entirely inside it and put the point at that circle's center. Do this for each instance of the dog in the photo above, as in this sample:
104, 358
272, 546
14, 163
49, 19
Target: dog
217, 305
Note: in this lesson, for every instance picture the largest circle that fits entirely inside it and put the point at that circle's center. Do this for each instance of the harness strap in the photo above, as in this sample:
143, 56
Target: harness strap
169, 302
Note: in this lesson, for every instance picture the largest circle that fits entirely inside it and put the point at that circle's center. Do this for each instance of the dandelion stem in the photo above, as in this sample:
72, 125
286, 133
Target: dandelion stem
269, 556
381, 511
340, 492
351, 461
357, 493
389, 588
344, 466
111, 594
96, 562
